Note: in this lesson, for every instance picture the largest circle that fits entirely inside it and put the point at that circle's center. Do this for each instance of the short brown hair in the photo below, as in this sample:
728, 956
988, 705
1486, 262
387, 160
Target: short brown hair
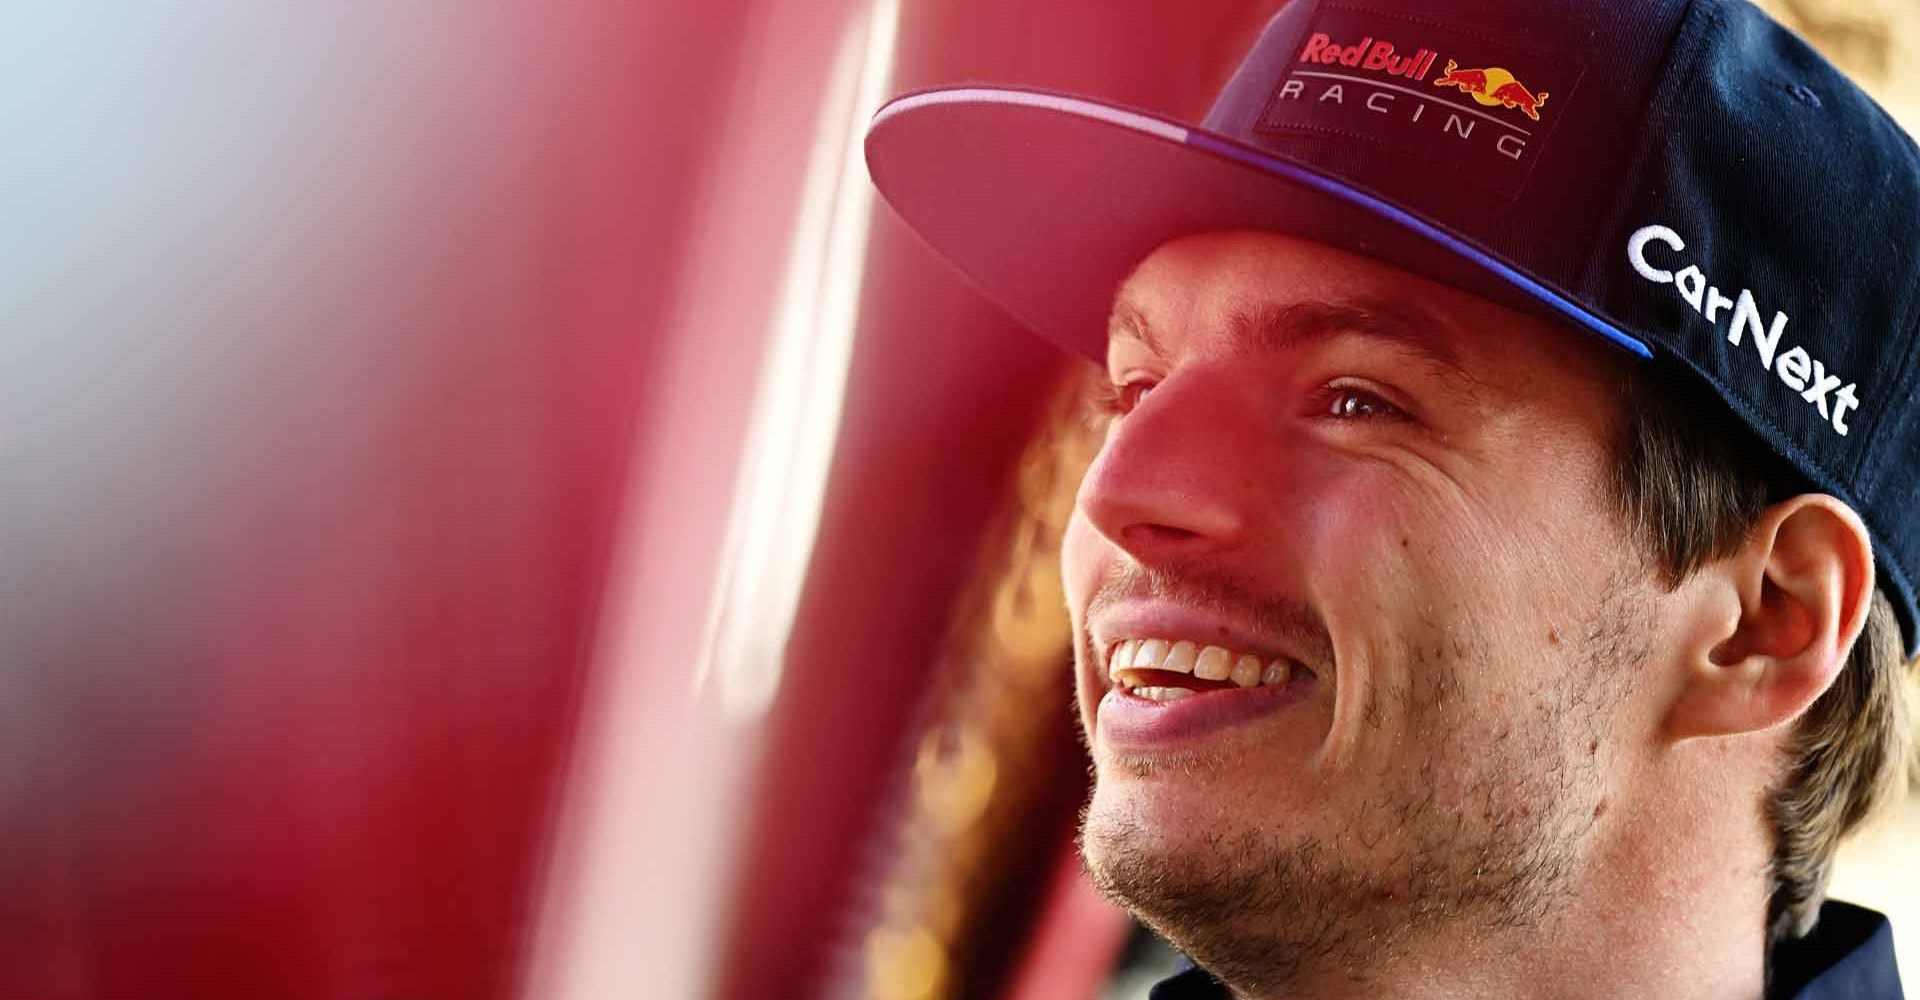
1691, 482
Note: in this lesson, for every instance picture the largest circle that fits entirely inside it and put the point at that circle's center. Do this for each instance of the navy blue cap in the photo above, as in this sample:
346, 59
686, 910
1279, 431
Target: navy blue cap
1685, 179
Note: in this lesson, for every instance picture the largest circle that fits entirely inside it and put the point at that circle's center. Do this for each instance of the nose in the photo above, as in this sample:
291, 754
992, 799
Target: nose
1170, 479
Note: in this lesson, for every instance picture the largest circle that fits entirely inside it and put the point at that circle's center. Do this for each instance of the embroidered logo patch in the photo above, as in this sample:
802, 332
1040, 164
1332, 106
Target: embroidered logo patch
1461, 100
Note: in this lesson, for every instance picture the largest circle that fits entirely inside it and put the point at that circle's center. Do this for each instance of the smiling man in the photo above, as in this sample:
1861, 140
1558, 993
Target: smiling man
1496, 578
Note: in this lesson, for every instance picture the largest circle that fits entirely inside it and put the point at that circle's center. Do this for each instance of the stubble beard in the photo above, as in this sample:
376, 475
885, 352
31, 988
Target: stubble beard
1487, 835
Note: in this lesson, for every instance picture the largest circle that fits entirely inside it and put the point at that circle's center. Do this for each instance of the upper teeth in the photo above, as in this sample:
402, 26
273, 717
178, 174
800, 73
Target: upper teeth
1183, 657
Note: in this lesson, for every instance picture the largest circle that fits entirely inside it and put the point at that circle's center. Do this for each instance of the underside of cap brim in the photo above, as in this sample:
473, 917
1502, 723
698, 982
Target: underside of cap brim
1046, 201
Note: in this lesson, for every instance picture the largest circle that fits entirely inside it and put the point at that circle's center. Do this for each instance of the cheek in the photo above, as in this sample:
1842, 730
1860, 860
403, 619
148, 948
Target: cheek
1501, 554
1409, 565
1084, 554
1083, 557
1369, 535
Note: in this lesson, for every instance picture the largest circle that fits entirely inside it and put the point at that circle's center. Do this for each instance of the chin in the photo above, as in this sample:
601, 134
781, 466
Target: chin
1118, 825
1167, 812
1216, 892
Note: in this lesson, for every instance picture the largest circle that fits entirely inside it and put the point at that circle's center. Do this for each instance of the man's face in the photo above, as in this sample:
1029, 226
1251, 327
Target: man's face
1398, 494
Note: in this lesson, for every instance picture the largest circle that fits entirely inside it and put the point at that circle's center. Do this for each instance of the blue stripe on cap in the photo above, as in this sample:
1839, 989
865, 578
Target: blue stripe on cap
1399, 216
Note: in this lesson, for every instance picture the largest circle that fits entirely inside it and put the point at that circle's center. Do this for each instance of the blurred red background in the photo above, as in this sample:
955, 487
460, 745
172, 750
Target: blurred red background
379, 383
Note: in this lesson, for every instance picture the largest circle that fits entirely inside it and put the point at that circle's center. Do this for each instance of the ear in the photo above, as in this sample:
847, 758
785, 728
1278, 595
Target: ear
1775, 620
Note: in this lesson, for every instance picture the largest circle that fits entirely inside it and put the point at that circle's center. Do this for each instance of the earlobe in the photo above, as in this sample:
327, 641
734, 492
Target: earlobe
1776, 619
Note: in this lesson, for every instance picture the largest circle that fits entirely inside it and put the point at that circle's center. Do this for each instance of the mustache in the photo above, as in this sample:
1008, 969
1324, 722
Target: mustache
1284, 618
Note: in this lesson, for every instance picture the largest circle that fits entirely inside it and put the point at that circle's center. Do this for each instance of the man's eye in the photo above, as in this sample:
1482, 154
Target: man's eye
1120, 399
1347, 403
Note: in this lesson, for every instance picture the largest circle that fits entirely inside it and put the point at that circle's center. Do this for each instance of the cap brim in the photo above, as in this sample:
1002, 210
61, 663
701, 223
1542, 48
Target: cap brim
1046, 201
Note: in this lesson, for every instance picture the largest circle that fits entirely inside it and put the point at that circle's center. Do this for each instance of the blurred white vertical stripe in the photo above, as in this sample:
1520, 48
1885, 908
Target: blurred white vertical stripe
758, 344
776, 510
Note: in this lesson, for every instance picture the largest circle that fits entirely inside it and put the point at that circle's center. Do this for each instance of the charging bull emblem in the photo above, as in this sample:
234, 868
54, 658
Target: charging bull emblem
1493, 86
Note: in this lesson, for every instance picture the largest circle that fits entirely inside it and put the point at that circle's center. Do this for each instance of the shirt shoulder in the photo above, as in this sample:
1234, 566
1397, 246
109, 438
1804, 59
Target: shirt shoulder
1190, 983
1849, 954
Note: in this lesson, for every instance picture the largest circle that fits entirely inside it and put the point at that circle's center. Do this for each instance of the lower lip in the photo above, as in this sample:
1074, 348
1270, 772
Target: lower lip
1128, 722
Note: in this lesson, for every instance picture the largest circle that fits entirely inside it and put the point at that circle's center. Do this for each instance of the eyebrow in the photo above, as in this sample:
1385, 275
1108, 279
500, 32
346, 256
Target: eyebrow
1277, 328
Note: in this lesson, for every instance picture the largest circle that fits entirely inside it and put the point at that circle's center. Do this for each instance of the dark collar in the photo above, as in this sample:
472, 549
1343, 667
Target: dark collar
1848, 955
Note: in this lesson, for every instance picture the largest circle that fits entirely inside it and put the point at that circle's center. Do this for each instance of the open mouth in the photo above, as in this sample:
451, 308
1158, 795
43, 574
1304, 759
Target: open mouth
1166, 670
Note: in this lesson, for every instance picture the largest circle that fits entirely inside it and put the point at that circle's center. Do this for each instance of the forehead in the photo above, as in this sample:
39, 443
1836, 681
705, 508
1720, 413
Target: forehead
1264, 292
1192, 271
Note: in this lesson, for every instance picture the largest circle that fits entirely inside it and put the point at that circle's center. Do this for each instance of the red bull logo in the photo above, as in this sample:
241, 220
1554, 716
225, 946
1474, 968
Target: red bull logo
1379, 56
1492, 86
